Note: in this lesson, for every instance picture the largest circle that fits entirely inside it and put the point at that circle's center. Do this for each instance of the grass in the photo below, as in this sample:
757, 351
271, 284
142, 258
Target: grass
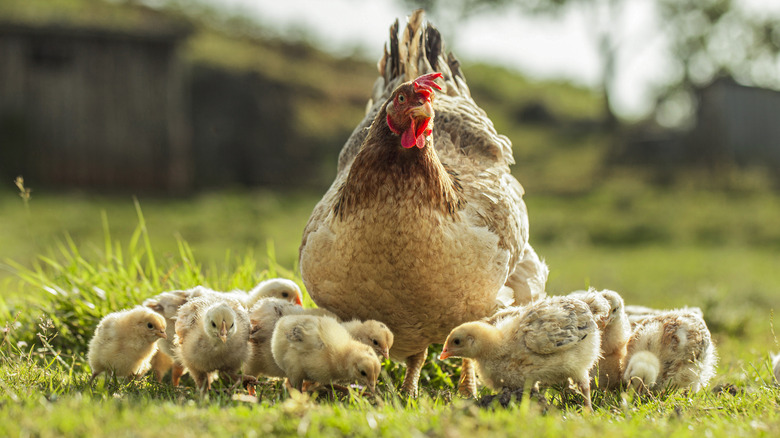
658, 247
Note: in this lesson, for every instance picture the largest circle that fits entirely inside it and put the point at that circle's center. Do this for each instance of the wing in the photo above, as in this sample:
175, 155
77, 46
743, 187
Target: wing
556, 327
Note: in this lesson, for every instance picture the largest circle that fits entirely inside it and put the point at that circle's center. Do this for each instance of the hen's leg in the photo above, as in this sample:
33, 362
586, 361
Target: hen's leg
414, 364
467, 387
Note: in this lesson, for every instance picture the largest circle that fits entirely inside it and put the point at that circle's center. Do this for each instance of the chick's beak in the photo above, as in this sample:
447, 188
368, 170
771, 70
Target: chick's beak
223, 332
298, 300
162, 334
444, 354
386, 353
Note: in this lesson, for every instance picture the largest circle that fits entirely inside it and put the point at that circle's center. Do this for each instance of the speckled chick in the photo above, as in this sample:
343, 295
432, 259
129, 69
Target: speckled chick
609, 311
319, 349
281, 288
673, 349
636, 313
546, 342
212, 334
124, 342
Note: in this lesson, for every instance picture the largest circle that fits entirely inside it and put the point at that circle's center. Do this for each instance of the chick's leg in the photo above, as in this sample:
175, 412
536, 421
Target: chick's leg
414, 364
176, 372
585, 389
467, 387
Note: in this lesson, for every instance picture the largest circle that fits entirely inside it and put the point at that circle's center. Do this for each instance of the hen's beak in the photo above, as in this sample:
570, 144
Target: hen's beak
223, 332
424, 111
444, 354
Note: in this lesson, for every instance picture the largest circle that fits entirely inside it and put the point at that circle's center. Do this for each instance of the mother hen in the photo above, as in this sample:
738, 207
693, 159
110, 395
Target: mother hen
424, 224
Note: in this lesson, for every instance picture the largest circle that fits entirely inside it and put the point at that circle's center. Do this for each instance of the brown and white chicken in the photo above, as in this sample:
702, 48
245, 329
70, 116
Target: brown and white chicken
673, 349
424, 223
320, 349
125, 342
545, 343
636, 313
212, 334
609, 311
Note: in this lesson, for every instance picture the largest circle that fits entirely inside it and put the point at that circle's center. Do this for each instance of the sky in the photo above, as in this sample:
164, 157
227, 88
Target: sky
546, 48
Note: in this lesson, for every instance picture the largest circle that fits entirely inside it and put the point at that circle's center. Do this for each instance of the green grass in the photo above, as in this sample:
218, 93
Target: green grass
658, 247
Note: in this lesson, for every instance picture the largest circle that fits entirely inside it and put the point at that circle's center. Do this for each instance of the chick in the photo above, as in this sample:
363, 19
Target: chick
636, 313
546, 342
319, 349
212, 334
124, 342
372, 333
776, 366
673, 349
615, 332
160, 363
263, 318
167, 304
281, 288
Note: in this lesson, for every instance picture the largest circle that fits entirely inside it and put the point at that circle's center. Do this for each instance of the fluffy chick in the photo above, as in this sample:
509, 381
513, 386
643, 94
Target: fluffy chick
167, 304
636, 313
212, 334
546, 342
319, 349
124, 342
263, 317
673, 349
372, 333
615, 332
281, 288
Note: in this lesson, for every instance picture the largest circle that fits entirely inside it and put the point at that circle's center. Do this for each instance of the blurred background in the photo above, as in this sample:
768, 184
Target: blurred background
645, 132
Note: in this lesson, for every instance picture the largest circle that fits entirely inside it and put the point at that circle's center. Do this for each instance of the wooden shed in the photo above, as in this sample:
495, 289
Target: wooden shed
94, 107
737, 124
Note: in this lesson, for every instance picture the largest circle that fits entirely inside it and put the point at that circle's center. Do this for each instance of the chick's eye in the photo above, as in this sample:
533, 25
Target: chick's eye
231, 325
285, 294
456, 342
149, 324
213, 324
376, 342
363, 373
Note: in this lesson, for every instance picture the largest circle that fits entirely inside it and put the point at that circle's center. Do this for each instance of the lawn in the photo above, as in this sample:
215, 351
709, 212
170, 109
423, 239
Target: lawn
71, 258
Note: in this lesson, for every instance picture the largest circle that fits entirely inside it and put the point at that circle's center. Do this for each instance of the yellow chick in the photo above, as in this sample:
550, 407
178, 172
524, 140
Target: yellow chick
167, 304
609, 311
281, 288
373, 333
319, 349
124, 342
546, 342
673, 349
212, 334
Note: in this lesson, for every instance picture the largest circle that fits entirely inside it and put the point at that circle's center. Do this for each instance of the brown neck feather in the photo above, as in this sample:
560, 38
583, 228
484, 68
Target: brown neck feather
383, 166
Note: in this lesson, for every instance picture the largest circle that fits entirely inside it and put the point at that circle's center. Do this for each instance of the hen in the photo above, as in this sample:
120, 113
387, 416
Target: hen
424, 223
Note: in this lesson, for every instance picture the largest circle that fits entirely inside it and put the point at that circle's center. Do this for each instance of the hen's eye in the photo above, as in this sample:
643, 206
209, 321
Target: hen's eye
285, 294
401, 98
376, 342
363, 373
149, 324
456, 342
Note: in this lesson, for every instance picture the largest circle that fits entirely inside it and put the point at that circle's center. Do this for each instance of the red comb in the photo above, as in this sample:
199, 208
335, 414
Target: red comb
425, 84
